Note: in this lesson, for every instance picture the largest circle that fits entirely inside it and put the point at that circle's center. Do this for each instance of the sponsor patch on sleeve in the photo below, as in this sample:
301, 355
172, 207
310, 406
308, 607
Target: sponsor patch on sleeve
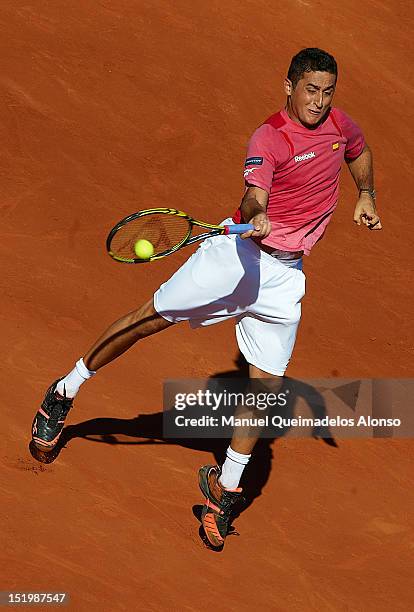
253, 161
335, 146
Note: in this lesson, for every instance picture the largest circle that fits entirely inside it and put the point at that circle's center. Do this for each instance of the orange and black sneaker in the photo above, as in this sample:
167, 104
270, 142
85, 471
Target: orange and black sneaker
216, 513
50, 418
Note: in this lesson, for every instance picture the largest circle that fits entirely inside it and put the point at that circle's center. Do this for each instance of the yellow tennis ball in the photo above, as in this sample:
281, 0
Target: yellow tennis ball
143, 249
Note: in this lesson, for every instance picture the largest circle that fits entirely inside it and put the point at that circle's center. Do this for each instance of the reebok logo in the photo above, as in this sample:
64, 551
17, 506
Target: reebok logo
248, 171
299, 158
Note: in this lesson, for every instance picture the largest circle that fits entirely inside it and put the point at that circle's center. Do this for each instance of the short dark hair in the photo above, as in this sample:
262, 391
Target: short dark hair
311, 60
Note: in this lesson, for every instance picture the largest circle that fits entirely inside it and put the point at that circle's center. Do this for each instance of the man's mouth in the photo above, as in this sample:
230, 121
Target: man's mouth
314, 112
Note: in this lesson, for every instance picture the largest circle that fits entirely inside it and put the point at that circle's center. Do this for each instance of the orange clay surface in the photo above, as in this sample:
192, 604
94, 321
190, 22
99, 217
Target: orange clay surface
111, 107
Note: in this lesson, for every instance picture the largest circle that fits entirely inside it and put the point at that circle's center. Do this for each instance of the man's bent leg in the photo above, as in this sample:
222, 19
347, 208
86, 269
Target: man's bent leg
49, 420
180, 298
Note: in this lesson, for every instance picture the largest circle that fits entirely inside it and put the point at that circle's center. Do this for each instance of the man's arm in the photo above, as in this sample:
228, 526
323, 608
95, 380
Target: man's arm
253, 210
362, 172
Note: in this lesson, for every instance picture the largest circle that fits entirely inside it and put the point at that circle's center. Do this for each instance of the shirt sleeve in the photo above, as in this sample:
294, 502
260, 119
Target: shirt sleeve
355, 138
260, 162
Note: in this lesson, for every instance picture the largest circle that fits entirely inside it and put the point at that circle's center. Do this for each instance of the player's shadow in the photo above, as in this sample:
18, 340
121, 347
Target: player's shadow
150, 429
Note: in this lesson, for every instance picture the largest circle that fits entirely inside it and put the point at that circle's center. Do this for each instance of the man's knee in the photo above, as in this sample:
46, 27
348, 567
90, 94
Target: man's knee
261, 379
147, 320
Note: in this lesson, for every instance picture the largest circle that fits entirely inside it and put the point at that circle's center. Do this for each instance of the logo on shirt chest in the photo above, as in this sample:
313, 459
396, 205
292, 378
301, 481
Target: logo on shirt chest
299, 158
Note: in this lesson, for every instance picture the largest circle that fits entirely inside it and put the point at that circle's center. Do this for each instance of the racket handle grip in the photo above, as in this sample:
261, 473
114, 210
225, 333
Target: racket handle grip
238, 228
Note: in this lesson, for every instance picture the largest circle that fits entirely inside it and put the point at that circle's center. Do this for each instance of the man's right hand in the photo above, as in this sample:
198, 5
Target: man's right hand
253, 208
262, 227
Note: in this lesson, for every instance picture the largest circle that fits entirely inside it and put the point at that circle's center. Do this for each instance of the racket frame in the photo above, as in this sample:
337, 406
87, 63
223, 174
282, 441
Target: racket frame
214, 230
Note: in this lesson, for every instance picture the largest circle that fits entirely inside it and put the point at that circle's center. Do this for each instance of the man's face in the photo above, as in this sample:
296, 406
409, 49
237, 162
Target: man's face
310, 100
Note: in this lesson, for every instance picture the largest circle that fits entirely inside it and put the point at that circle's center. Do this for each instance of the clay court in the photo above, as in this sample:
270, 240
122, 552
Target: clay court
112, 107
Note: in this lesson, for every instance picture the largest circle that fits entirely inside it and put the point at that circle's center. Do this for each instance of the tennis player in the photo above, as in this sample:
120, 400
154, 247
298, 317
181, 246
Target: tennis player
291, 177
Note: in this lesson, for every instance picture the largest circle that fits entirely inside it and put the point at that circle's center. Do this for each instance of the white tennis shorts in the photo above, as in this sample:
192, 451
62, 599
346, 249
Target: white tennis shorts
230, 277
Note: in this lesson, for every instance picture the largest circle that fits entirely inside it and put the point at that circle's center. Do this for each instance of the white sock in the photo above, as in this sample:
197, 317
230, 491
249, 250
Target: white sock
71, 383
232, 469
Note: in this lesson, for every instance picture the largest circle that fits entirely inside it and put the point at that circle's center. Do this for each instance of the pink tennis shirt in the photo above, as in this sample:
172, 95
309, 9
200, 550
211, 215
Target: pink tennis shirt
299, 168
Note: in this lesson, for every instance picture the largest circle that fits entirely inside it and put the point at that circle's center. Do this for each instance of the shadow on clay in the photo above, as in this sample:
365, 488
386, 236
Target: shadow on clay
148, 429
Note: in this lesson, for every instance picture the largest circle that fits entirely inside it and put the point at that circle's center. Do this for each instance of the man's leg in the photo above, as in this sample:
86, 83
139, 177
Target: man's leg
266, 336
244, 439
118, 338
220, 485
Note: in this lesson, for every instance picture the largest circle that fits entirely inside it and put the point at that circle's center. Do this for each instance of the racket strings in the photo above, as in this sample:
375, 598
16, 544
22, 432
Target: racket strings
163, 231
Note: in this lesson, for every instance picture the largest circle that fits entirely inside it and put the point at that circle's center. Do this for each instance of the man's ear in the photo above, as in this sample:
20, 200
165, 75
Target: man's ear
288, 86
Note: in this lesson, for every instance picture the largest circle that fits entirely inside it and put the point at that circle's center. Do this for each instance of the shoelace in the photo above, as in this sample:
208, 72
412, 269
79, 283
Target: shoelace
60, 408
226, 503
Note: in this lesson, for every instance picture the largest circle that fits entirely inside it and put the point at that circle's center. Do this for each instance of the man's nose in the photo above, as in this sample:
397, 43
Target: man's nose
319, 100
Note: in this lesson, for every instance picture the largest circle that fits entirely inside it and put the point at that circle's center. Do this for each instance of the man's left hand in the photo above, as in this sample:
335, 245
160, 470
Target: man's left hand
366, 213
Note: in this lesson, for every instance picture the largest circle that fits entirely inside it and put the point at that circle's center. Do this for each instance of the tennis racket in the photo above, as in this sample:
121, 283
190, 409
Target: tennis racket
167, 229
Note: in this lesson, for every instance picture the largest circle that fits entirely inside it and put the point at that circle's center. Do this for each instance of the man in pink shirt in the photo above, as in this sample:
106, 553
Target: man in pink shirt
291, 190
299, 170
